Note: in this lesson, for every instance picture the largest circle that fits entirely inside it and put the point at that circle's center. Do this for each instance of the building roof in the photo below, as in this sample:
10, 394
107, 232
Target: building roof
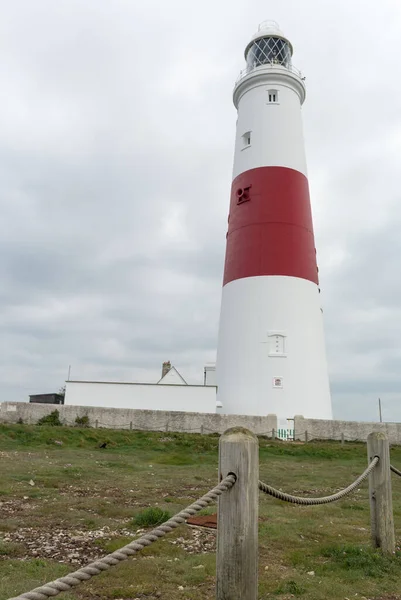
172, 377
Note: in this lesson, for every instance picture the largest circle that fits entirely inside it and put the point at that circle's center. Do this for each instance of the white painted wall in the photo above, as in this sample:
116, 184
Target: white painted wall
253, 309
187, 398
276, 129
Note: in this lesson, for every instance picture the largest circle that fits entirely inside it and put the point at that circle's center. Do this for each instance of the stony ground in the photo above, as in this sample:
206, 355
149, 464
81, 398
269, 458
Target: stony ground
79, 547
65, 502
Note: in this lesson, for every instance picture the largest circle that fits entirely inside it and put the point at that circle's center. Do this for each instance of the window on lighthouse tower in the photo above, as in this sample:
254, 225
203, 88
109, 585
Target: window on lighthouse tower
273, 96
246, 139
276, 342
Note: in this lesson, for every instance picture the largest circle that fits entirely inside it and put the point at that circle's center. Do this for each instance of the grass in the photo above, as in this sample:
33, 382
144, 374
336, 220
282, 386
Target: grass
290, 587
10, 549
365, 562
151, 517
18, 576
141, 478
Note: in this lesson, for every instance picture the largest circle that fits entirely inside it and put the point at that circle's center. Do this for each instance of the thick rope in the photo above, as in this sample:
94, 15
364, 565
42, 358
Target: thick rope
394, 470
69, 581
267, 489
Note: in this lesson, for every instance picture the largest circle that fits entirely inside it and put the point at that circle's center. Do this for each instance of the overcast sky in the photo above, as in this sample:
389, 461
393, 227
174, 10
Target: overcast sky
116, 144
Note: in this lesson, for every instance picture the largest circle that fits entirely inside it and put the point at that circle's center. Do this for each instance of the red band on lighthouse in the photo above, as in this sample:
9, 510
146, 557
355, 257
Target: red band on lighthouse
270, 226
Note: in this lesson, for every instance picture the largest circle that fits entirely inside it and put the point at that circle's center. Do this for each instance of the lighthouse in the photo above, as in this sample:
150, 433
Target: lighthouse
271, 354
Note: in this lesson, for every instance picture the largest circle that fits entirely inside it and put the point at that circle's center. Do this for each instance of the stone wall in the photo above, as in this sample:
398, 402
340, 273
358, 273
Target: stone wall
148, 420
350, 430
158, 420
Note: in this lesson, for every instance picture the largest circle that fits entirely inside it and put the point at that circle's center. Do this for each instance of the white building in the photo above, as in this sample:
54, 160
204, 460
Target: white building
170, 393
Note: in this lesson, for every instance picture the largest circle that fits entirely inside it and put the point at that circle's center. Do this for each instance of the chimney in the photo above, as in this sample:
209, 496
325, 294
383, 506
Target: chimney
166, 367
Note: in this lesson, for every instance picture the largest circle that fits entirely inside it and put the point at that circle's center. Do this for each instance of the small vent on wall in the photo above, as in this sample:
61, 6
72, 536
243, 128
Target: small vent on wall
243, 194
277, 382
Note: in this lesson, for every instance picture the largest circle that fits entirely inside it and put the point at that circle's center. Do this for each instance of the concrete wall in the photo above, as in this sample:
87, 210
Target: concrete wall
352, 430
195, 398
148, 420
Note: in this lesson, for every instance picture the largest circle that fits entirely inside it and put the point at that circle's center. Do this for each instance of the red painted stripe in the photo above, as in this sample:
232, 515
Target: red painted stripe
271, 233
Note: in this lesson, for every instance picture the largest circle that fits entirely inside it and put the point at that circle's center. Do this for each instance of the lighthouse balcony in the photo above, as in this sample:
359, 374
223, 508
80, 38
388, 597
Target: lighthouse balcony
269, 74
266, 67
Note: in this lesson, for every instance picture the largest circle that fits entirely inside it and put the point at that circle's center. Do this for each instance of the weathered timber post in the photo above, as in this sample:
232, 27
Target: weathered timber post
237, 518
342, 439
380, 496
306, 436
96, 424
201, 429
273, 434
130, 425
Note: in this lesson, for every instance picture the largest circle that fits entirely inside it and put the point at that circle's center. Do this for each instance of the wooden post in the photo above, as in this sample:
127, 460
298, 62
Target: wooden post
342, 439
167, 427
201, 429
96, 424
381, 501
306, 436
130, 425
273, 434
237, 518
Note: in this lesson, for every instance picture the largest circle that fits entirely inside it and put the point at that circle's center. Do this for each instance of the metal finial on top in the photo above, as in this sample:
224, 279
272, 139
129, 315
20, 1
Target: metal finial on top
269, 24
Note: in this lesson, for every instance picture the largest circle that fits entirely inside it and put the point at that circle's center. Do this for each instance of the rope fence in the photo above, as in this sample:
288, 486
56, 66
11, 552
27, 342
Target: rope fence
267, 489
237, 532
394, 470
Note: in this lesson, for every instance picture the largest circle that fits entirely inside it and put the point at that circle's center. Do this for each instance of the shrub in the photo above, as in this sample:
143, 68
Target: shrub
10, 549
20, 421
53, 419
151, 517
82, 421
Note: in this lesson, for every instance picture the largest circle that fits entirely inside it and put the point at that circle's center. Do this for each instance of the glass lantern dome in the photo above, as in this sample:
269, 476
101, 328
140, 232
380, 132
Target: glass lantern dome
268, 46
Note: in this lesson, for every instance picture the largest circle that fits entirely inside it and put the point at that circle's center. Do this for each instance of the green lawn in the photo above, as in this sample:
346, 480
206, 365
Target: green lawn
86, 502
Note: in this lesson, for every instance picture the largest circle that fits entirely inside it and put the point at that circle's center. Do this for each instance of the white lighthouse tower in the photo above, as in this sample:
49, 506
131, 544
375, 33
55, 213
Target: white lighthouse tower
271, 352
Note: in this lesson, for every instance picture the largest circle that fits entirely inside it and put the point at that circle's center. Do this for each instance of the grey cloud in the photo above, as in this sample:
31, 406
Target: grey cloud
116, 145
